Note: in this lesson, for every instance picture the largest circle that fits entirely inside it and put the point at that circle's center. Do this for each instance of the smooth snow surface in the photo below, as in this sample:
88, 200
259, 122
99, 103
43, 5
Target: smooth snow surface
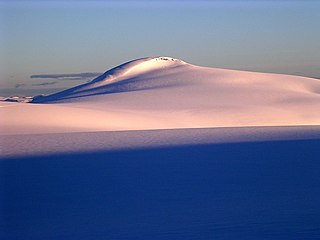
250, 190
203, 153
84, 142
167, 93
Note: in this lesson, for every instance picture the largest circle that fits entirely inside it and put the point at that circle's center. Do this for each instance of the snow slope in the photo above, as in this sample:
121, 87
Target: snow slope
167, 93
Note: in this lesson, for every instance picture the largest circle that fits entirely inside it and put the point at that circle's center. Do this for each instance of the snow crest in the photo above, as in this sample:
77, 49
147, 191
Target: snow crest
125, 71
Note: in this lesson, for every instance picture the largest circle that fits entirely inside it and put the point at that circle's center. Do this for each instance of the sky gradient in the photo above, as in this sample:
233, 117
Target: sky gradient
72, 37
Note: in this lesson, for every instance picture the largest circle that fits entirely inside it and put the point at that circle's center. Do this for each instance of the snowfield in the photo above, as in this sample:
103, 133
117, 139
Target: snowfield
166, 93
160, 149
38, 144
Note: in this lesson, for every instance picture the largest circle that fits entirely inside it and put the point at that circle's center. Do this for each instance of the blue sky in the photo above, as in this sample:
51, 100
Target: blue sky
68, 37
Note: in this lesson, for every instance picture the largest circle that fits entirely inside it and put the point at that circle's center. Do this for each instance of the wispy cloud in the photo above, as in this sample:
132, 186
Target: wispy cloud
18, 85
44, 83
70, 76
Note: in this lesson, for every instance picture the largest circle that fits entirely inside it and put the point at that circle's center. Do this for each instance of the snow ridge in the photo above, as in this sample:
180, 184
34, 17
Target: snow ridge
125, 71
139, 66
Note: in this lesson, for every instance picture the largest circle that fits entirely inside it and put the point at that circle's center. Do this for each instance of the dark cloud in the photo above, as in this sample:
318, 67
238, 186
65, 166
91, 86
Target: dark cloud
71, 76
44, 83
18, 85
